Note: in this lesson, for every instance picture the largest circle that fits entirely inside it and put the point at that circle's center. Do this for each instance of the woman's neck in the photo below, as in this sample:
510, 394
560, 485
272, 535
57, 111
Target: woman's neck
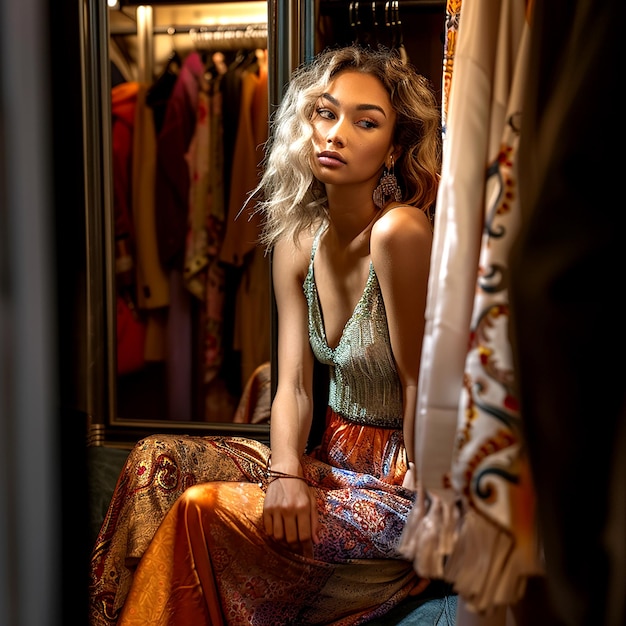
350, 216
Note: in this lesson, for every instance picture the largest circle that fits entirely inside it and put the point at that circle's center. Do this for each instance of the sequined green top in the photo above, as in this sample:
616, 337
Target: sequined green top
364, 383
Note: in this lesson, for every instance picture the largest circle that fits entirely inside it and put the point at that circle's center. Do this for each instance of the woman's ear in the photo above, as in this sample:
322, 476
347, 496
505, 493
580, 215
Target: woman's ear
395, 155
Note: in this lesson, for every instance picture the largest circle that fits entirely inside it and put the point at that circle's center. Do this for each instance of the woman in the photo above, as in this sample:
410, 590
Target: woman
308, 534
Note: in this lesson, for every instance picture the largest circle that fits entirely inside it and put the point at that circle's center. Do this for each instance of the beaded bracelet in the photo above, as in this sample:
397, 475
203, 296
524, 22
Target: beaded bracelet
271, 475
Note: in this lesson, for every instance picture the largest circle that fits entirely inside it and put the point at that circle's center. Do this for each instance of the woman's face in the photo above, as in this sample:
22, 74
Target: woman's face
353, 126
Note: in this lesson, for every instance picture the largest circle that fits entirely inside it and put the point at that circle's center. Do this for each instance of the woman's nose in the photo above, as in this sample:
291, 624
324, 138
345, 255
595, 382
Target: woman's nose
335, 135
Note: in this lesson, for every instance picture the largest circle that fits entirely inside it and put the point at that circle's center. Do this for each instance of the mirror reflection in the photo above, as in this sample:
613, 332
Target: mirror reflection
189, 104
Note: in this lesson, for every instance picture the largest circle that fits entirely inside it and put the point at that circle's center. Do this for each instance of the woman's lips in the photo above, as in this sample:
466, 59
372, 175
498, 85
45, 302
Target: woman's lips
330, 159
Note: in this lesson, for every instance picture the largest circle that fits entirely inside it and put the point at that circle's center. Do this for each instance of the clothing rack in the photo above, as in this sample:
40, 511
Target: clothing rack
256, 30
231, 36
205, 36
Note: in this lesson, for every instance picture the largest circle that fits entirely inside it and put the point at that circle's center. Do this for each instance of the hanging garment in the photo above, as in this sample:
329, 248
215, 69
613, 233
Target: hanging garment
152, 283
131, 337
475, 522
172, 205
251, 331
197, 159
242, 224
123, 102
160, 91
204, 276
230, 88
153, 290
130, 326
214, 309
252, 313
172, 178
453, 15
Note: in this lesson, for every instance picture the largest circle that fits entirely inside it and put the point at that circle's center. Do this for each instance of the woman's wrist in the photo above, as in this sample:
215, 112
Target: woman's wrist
271, 474
291, 466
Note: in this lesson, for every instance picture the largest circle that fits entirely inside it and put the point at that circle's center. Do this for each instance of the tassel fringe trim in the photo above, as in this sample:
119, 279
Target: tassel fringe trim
485, 565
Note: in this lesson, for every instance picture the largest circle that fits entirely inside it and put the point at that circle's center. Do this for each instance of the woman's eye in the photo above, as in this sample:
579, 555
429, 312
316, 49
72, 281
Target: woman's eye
325, 114
367, 124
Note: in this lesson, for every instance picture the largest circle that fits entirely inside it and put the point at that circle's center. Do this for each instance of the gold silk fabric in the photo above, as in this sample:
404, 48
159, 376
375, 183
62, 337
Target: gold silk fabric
157, 471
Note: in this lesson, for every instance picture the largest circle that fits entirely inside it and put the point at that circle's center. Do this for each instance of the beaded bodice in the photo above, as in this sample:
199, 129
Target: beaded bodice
364, 383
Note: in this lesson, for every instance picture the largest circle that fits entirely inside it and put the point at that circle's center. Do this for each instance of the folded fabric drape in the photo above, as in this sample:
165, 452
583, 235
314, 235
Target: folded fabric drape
473, 524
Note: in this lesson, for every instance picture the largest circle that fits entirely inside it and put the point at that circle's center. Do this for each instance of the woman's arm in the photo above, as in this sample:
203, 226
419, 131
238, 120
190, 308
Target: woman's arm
400, 249
289, 510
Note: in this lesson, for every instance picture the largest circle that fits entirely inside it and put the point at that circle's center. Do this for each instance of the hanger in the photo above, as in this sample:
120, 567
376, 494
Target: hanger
364, 33
394, 25
230, 37
174, 61
399, 39
355, 22
374, 26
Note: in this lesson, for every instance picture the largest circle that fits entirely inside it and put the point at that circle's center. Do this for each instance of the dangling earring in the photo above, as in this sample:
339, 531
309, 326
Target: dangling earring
387, 188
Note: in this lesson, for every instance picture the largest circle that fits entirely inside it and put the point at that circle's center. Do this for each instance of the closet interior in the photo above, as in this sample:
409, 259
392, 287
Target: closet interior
189, 106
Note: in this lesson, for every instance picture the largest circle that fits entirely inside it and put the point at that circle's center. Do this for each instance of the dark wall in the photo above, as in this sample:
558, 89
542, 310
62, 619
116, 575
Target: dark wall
43, 493
68, 195
418, 26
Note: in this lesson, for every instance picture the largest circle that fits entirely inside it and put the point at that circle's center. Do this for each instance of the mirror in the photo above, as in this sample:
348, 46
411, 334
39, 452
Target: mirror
189, 99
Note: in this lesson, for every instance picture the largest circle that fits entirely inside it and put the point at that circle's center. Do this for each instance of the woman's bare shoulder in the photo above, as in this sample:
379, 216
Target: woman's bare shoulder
293, 256
403, 226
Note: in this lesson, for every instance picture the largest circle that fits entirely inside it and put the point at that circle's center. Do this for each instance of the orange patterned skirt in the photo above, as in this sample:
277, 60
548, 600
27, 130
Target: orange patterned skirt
184, 543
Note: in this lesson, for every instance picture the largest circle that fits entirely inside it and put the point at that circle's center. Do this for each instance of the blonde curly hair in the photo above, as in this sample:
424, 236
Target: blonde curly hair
289, 198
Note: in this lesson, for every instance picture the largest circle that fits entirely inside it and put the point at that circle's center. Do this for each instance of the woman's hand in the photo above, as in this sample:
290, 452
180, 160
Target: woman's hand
290, 513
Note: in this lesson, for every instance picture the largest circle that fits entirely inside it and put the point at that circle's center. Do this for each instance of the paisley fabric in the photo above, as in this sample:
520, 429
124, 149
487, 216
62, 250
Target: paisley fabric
210, 561
184, 542
157, 471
